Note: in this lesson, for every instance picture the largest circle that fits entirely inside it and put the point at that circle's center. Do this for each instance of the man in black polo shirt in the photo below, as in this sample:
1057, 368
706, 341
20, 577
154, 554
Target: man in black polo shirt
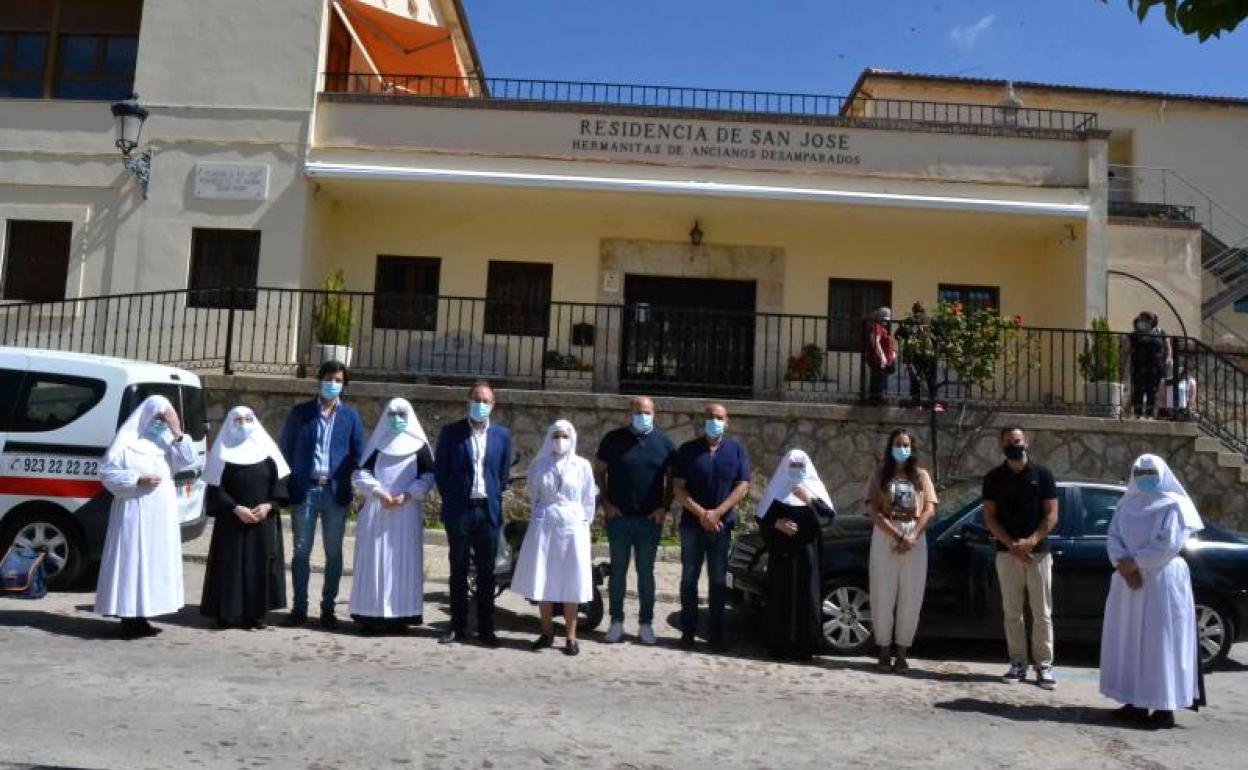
1020, 508
633, 473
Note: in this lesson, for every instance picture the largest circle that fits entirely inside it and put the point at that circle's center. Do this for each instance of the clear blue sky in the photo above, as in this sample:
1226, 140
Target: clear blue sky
820, 46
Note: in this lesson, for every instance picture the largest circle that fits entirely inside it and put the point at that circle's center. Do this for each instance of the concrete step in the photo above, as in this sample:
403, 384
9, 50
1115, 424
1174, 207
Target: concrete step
1230, 460
1209, 444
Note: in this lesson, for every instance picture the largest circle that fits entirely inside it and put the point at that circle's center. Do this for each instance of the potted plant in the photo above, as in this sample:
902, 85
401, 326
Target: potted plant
1100, 365
331, 322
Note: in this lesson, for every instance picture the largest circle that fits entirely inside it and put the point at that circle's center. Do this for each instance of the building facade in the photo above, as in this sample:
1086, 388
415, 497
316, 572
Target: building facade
597, 236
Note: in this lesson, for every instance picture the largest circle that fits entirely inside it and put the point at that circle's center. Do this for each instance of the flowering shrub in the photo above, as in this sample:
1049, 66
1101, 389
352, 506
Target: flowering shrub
973, 346
807, 367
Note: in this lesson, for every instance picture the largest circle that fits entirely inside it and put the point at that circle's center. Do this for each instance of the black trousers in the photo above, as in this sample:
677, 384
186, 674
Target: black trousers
1144, 387
472, 534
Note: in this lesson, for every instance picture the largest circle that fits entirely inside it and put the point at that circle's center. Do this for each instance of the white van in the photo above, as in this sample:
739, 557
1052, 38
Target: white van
58, 414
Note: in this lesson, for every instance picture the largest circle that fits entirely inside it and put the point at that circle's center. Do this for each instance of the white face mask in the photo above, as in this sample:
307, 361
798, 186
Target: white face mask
562, 446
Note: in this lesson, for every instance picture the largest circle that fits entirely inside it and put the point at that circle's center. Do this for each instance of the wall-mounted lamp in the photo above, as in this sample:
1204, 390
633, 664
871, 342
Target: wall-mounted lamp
695, 235
1069, 239
130, 118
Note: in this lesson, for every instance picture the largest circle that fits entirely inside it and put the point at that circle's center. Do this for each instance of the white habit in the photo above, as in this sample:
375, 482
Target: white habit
141, 569
554, 563
1149, 640
389, 577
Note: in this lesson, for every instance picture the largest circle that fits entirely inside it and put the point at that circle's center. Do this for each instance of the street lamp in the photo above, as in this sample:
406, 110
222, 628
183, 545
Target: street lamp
129, 117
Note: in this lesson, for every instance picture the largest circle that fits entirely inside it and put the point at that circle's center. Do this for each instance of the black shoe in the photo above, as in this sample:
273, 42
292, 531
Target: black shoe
1161, 720
329, 621
295, 619
367, 629
136, 628
542, 642
488, 639
257, 625
419, 620
453, 637
1129, 713
901, 666
686, 641
718, 645
571, 648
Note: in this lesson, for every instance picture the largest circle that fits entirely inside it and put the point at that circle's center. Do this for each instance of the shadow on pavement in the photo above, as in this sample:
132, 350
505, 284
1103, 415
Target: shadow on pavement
1030, 712
92, 627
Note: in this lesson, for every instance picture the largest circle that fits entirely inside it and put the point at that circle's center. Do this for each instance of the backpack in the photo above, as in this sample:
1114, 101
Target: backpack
22, 574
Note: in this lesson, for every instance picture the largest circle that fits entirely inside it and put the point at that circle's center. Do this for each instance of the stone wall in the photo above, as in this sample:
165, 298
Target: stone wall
845, 442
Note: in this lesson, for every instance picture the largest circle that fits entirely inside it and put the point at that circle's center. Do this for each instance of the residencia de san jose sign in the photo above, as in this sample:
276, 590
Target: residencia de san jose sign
695, 143
674, 139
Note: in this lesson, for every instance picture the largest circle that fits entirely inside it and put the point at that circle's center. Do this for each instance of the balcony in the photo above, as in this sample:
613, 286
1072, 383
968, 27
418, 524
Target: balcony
543, 132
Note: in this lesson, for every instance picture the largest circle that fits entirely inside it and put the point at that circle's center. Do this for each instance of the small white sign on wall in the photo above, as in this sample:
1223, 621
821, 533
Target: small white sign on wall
232, 181
611, 281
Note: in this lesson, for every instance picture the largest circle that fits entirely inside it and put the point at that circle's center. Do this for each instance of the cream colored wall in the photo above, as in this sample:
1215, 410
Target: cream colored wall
1168, 259
227, 81
468, 226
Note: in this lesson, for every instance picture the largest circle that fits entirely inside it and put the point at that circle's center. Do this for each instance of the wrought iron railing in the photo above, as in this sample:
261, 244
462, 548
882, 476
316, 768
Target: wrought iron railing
615, 348
862, 108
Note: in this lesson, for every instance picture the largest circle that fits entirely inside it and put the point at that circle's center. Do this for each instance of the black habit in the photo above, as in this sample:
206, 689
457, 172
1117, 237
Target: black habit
793, 622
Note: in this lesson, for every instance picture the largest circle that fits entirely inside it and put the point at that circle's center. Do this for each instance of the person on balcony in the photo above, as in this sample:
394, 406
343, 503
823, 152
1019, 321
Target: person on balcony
1150, 657
1149, 353
900, 500
918, 349
710, 475
141, 568
633, 471
880, 355
321, 440
1020, 510
791, 515
472, 466
388, 590
554, 565
247, 478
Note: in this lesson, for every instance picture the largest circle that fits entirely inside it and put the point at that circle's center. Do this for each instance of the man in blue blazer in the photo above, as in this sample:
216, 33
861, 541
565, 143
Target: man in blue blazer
322, 441
472, 466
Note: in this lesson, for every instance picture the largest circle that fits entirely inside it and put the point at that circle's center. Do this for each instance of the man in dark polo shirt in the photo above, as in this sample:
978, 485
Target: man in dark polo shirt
633, 472
1020, 508
710, 476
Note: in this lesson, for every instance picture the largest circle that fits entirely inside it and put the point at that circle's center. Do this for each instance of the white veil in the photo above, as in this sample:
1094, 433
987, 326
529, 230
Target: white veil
384, 438
781, 486
235, 447
1136, 501
133, 432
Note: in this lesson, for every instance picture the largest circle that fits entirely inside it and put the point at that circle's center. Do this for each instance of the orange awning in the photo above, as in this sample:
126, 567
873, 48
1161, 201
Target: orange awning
401, 49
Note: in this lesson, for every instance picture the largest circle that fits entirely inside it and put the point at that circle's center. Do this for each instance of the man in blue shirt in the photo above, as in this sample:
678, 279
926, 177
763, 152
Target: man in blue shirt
322, 441
710, 476
633, 474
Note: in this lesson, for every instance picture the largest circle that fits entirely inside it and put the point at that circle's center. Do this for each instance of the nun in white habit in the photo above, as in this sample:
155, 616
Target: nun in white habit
246, 477
388, 590
141, 568
554, 563
1149, 654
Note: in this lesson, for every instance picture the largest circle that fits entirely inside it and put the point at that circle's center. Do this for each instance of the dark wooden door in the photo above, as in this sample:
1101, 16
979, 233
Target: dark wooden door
689, 335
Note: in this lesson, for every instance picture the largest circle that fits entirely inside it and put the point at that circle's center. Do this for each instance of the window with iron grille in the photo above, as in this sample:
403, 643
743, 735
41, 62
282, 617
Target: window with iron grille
224, 267
517, 298
972, 297
406, 293
850, 304
69, 49
36, 260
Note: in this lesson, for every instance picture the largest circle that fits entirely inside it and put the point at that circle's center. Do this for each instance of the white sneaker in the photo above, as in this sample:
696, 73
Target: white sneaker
615, 634
645, 634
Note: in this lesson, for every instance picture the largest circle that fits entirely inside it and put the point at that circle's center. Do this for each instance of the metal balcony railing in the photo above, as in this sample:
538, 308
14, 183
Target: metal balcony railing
716, 100
616, 348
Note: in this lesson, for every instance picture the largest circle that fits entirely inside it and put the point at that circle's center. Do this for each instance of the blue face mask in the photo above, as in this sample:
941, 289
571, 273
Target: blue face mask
398, 424
157, 430
1148, 483
797, 473
330, 389
714, 427
643, 422
901, 453
479, 411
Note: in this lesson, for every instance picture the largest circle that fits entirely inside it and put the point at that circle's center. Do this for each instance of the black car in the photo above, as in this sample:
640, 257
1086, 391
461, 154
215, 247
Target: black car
963, 598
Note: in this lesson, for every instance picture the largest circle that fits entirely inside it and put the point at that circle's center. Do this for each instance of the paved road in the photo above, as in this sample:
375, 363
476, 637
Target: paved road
196, 697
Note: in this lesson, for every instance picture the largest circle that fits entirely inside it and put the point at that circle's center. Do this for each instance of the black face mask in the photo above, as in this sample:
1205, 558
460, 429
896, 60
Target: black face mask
1015, 451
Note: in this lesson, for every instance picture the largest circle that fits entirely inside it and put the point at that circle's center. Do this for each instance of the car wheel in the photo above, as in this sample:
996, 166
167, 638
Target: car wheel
846, 617
54, 533
1216, 633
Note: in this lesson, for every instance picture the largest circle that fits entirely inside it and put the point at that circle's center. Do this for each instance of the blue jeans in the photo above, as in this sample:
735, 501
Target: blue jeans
333, 527
637, 537
696, 546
